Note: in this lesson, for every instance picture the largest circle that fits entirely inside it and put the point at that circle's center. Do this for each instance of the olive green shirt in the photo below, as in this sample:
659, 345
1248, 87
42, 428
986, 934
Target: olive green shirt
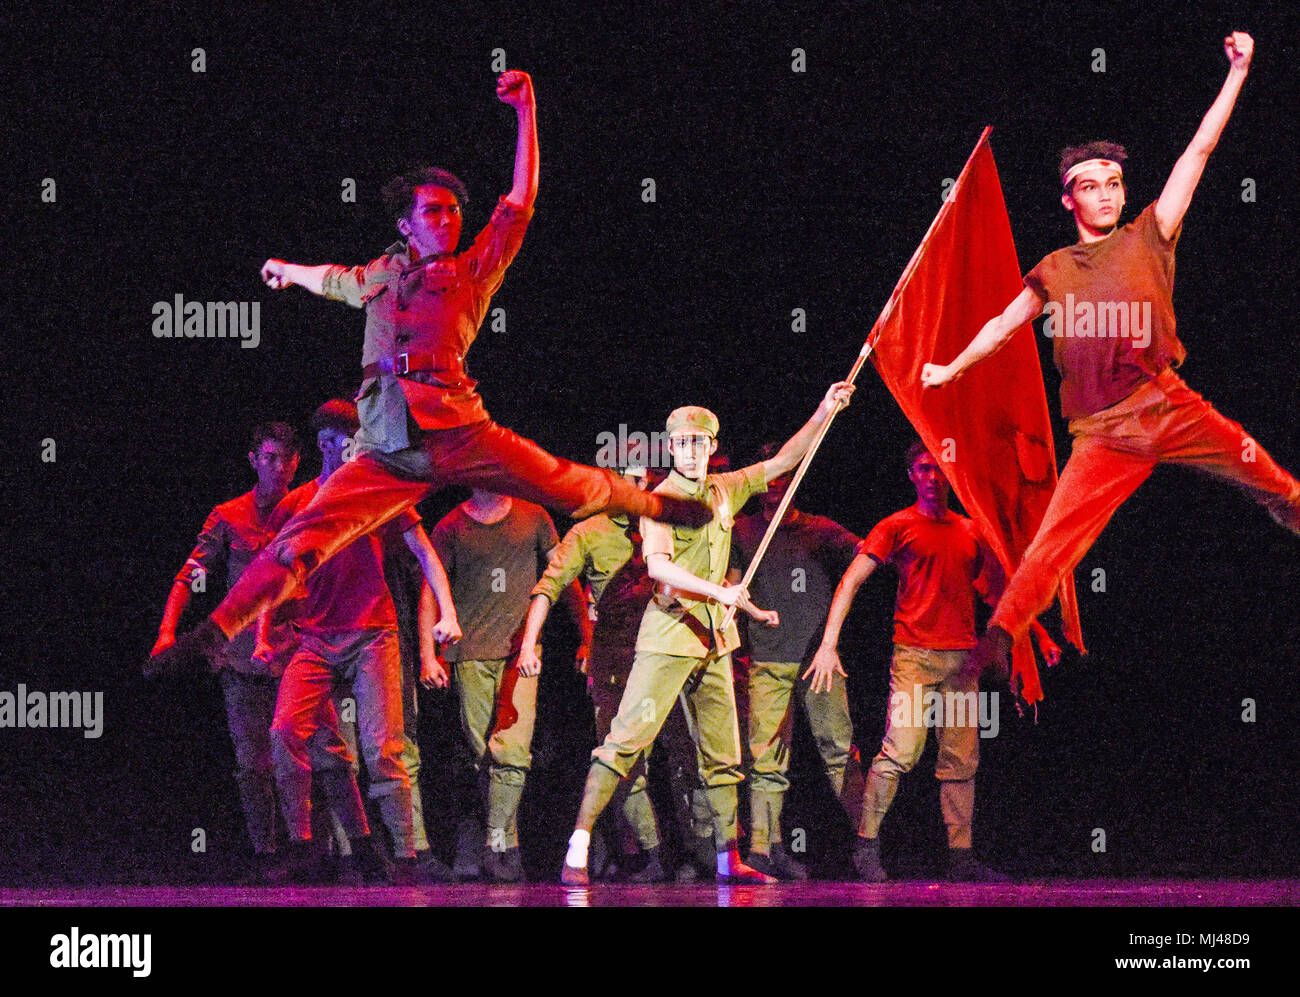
596, 547
674, 622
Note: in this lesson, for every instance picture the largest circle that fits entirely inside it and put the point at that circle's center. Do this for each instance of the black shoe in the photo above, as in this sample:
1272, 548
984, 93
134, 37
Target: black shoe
433, 869
417, 872
777, 862
684, 512
652, 871
963, 867
366, 866
301, 865
193, 653
465, 867
866, 861
503, 866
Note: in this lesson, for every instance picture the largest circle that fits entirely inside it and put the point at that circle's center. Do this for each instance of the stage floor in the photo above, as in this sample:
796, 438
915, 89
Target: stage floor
1045, 893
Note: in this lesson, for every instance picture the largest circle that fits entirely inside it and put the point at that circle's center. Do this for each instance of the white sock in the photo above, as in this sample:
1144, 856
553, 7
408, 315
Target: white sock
576, 856
727, 862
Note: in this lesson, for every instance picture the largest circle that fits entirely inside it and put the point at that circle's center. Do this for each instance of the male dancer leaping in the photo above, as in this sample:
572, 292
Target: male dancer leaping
1111, 315
423, 424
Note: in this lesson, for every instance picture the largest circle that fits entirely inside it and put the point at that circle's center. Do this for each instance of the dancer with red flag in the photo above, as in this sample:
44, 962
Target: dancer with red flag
993, 434
1109, 300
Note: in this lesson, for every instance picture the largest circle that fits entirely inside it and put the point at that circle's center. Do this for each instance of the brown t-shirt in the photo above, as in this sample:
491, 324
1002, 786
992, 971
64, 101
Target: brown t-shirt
493, 568
1110, 313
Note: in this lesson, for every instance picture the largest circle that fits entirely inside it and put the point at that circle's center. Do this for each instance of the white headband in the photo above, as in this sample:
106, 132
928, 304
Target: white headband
1090, 164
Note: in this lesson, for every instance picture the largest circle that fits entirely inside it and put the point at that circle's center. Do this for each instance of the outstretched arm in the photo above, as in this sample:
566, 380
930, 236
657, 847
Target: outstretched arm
278, 275
787, 458
515, 88
995, 335
1186, 174
826, 662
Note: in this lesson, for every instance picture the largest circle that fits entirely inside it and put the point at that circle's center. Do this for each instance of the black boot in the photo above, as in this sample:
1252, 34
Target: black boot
416, 871
466, 866
964, 867
505, 866
301, 865
777, 862
866, 861
701, 861
366, 865
193, 653
652, 871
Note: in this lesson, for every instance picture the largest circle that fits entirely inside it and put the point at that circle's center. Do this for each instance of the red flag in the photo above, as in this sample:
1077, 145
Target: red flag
990, 429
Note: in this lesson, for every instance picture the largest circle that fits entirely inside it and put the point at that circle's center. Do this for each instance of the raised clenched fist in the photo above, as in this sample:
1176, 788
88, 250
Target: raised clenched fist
515, 88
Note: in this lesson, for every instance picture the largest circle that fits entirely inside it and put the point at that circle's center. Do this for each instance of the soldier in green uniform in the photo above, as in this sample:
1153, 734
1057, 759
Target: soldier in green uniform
680, 647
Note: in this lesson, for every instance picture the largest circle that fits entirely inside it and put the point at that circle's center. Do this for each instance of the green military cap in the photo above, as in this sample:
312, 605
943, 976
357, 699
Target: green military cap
692, 417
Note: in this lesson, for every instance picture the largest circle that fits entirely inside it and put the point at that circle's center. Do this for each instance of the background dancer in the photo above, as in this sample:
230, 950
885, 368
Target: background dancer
231, 537
939, 557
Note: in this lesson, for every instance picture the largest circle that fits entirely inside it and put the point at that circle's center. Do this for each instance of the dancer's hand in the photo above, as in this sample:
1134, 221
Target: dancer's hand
934, 375
768, 617
1050, 650
837, 393
733, 595
447, 629
1239, 47
530, 662
164, 641
273, 273
515, 87
263, 652
433, 674
825, 666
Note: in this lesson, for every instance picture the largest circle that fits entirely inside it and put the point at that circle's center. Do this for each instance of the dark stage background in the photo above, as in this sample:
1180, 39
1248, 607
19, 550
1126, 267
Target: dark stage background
776, 190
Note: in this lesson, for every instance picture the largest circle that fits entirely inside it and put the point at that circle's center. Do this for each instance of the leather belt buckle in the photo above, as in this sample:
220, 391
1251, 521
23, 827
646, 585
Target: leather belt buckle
402, 364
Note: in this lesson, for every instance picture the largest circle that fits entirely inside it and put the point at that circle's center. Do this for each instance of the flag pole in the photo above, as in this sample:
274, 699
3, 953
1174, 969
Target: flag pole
867, 348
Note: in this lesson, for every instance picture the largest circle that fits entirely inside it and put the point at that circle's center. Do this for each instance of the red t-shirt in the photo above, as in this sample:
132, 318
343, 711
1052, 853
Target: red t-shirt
348, 592
937, 561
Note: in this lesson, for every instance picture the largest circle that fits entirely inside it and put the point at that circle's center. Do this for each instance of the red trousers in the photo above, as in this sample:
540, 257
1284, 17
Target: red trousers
367, 492
1115, 450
